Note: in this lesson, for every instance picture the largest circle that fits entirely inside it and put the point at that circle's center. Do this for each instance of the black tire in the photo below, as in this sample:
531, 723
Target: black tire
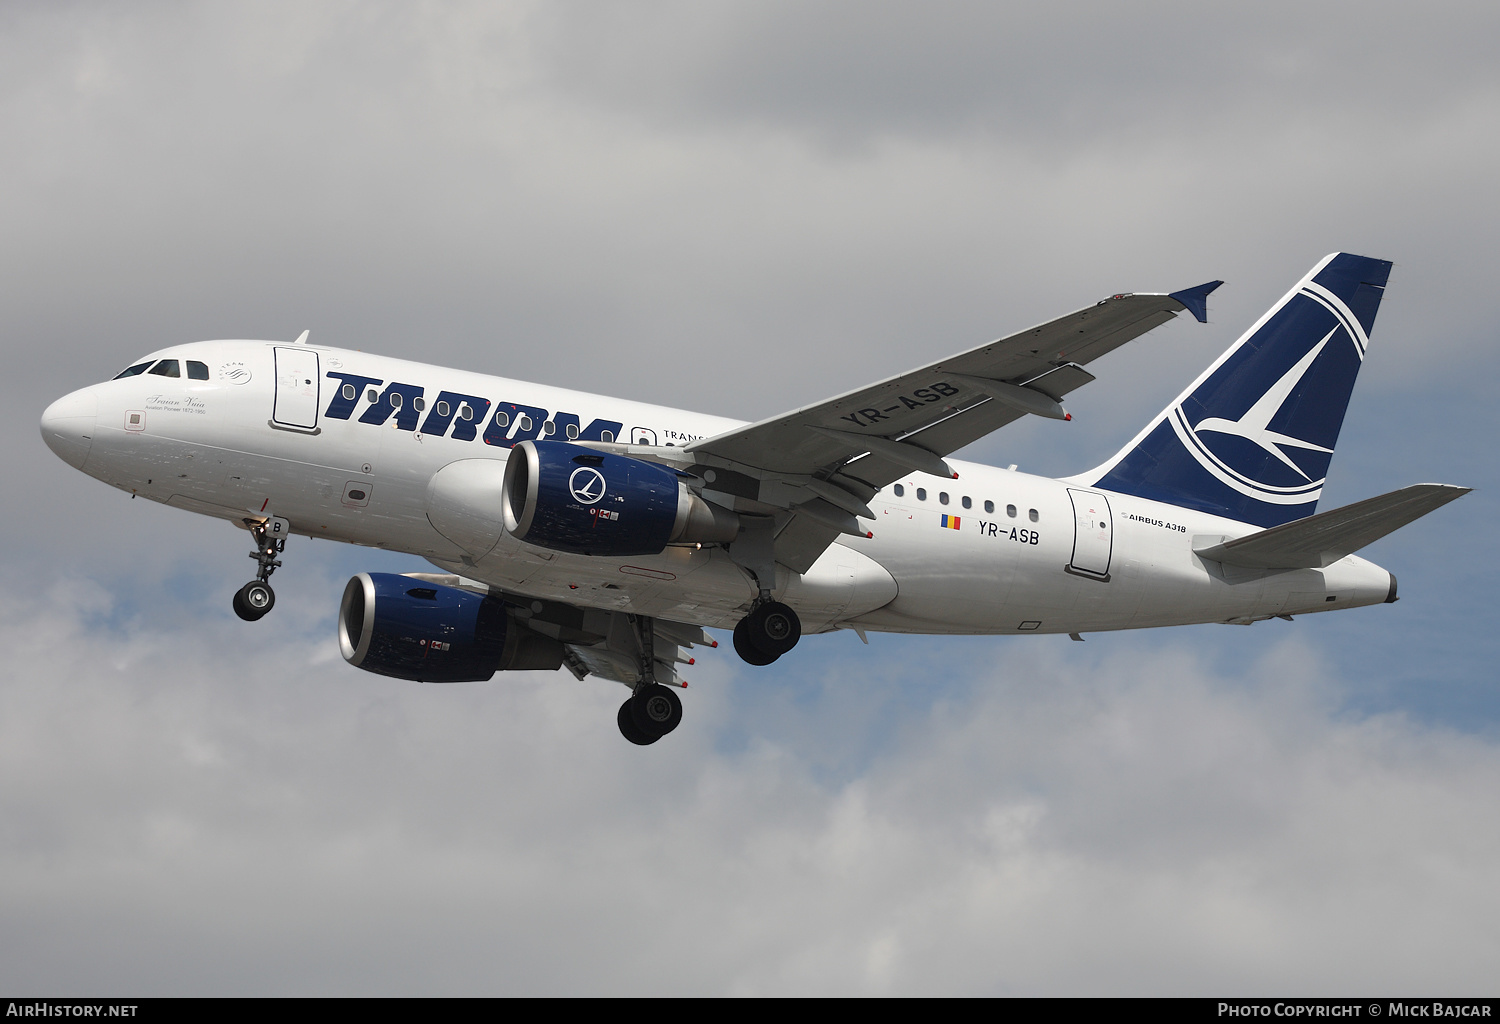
254, 600
773, 628
656, 710
747, 650
629, 729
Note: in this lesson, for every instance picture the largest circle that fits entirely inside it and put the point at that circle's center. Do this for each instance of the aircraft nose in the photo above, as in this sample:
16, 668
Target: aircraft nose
68, 426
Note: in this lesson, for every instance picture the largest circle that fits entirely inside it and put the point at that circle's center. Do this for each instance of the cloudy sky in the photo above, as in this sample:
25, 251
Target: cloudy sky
741, 208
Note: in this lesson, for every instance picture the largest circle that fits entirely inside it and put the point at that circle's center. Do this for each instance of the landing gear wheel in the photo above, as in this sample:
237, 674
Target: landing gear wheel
256, 598
747, 651
630, 730
253, 600
656, 710
770, 630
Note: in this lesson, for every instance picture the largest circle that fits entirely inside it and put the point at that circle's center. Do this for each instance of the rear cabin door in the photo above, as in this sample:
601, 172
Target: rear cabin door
296, 389
1093, 534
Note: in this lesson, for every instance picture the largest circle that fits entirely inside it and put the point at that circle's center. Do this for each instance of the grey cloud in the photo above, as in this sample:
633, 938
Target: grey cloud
1068, 825
1070, 75
738, 209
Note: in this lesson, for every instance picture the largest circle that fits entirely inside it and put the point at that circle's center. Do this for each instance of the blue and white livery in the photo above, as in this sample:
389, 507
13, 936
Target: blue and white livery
1252, 438
602, 535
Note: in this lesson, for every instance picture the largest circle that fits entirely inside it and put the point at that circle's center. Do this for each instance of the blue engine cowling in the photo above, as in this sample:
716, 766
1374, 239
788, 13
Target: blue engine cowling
567, 497
411, 629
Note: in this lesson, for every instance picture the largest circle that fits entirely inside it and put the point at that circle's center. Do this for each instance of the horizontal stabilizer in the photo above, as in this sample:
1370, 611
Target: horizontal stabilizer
1319, 541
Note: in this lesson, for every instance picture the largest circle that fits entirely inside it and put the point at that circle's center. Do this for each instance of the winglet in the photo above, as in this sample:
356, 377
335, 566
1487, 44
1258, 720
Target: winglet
1195, 300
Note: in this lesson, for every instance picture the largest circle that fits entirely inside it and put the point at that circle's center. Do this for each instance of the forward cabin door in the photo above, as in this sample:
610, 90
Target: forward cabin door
1093, 534
296, 389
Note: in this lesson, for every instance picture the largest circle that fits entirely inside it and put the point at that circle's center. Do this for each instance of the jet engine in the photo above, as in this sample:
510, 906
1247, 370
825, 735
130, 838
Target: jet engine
404, 627
567, 497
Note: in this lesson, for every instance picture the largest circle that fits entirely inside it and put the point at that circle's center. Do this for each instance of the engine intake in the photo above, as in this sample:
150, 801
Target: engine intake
570, 498
398, 626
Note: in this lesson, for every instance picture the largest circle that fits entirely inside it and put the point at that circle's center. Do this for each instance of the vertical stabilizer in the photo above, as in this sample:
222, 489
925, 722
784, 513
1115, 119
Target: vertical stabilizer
1252, 438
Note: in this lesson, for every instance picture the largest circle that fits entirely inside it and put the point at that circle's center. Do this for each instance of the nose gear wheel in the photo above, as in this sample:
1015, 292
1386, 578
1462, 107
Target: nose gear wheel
256, 598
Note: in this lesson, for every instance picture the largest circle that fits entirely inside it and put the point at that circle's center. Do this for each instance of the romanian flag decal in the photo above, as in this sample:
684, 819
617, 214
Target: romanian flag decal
951, 522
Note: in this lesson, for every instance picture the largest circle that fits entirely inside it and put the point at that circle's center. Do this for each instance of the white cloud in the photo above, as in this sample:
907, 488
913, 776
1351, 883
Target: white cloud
181, 820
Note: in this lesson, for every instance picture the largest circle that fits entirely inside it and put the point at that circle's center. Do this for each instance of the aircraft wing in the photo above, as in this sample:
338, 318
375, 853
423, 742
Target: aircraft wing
613, 645
824, 461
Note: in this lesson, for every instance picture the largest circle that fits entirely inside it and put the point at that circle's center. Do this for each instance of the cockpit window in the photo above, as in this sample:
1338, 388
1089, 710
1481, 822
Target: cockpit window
166, 368
197, 370
133, 370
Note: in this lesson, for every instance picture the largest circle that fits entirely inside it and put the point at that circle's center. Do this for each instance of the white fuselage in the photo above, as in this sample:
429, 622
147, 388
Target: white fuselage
1068, 559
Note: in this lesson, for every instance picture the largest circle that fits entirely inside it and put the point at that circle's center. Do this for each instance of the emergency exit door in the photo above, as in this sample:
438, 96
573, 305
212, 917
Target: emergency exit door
1093, 535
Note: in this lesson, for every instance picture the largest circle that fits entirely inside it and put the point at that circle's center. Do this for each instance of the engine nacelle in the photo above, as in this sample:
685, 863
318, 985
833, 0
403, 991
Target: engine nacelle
398, 626
567, 497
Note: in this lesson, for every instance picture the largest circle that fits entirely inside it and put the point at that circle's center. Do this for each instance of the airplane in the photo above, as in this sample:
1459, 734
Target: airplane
606, 536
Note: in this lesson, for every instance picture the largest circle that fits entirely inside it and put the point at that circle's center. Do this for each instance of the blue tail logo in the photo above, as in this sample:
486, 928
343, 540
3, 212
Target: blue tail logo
1252, 438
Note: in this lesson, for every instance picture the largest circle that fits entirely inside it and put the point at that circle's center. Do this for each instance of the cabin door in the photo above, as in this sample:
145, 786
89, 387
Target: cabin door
296, 389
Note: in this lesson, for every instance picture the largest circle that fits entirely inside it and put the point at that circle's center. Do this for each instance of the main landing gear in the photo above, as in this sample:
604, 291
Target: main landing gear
650, 714
256, 598
769, 631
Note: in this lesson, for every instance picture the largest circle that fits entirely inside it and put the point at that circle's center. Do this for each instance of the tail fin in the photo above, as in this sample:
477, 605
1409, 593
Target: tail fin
1252, 437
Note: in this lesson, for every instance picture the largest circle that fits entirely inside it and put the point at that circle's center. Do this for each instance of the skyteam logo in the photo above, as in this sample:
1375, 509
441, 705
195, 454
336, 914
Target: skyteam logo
1253, 438
1285, 466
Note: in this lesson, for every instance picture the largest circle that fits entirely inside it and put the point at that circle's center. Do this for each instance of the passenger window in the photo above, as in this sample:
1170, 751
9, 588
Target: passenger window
348, 391
968, 503
1010, 510
525, 422
166, 368
989, 506
921, 494
1032, 514
942, 497
197, 370
465, 413
133, 370
502, 419
395, 399
607, 436
372, 396
900, 491
442, 408
549, 428
419, 403
572, 431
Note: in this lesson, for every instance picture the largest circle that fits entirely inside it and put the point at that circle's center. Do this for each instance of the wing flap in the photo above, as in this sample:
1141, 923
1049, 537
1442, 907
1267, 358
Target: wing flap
966, 427
1320, 540
802, 540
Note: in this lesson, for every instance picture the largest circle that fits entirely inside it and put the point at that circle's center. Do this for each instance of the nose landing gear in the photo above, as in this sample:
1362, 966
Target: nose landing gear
256, 598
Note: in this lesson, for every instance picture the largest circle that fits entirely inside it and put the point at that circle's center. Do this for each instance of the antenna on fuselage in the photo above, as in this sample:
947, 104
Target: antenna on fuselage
302, 338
